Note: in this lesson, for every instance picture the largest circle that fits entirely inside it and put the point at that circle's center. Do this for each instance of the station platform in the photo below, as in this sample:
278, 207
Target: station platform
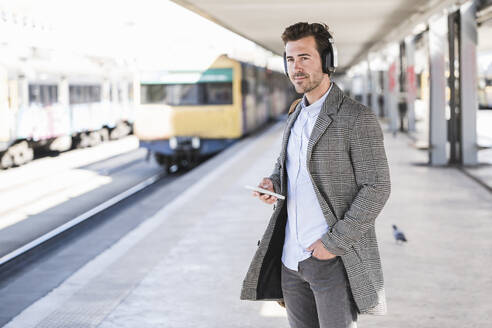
184, 266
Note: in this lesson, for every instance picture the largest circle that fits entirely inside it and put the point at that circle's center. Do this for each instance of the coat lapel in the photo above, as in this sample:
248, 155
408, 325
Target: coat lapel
322, 123
330, 107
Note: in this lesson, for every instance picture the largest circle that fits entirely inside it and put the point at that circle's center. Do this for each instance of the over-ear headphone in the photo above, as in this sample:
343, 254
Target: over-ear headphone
329, 58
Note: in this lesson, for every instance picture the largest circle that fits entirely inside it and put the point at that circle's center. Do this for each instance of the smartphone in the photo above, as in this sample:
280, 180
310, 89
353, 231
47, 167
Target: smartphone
265, 191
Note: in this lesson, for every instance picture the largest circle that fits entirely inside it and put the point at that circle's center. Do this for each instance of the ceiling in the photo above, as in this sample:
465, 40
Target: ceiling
357, 25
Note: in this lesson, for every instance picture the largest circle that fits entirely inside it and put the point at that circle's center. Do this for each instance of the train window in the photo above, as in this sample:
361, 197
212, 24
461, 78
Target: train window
84, 94
152, 94
43, 94
184, 94
96, 93
75, 94
190, 88
209, 93
218, 93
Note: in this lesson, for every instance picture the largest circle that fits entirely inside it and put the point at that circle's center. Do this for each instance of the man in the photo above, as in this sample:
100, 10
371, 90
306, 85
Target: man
319, 254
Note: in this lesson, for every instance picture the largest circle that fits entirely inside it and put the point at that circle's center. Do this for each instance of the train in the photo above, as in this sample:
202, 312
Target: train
57, 103
187, 115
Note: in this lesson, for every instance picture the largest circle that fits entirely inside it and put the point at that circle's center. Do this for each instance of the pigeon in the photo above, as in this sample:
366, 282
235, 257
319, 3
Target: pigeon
399, 235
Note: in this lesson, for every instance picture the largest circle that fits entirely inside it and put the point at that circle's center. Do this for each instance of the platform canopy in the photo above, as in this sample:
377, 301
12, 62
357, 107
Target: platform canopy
358, 26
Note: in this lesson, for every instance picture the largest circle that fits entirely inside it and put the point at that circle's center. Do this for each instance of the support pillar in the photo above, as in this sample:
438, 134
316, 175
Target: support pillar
411, 84
386, 94
468, 83
438, 123
374, 91
365, 88
393, 93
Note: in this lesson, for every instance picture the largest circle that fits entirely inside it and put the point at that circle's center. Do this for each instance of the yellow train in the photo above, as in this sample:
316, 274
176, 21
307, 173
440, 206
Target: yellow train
185, 115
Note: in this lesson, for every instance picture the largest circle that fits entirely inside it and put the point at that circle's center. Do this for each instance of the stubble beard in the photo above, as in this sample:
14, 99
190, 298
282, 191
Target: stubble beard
312, 83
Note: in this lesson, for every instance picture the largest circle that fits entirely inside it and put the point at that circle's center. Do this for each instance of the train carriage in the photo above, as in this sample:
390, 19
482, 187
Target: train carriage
186, 115
55, 105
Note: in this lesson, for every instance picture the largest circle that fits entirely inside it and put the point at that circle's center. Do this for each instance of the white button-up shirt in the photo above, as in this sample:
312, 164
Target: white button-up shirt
305, 220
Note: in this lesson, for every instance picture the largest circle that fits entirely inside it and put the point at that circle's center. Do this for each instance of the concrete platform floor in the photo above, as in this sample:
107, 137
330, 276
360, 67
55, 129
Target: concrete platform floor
184, 266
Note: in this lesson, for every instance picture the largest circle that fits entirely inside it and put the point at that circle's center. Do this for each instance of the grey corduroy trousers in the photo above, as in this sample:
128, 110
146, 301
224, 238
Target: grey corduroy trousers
318, 295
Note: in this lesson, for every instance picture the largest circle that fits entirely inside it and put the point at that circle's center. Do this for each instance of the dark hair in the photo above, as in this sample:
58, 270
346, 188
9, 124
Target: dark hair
303, 29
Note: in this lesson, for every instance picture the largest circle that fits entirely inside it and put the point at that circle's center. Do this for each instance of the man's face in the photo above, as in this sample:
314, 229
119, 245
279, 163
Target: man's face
304, 64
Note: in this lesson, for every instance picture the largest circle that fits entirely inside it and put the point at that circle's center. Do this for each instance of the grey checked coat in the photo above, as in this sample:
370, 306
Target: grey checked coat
348, 167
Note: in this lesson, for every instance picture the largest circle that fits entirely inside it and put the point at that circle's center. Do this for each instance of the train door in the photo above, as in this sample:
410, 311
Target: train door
262, 106
244, 95
249, 97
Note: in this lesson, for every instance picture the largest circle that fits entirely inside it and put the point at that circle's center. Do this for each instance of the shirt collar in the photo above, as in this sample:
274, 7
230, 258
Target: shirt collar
314, 108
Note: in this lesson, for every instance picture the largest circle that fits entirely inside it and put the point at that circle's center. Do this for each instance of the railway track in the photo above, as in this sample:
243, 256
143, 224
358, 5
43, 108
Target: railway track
43, 202
21, 253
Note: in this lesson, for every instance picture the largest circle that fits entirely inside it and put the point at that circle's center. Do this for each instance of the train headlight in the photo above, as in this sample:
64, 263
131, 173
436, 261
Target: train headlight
195, 142
173, 143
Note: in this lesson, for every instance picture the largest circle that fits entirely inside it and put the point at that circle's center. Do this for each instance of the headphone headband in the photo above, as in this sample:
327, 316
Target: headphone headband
329, 58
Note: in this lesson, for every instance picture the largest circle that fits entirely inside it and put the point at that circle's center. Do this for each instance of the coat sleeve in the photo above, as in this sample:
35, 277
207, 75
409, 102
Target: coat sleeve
370, 166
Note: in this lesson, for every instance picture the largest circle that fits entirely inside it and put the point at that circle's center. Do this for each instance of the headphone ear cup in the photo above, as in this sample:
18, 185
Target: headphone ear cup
325, 61
328, 63
285, 65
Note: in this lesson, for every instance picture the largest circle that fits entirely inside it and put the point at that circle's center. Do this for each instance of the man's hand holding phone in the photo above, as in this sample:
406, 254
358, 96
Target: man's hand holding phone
267, 184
